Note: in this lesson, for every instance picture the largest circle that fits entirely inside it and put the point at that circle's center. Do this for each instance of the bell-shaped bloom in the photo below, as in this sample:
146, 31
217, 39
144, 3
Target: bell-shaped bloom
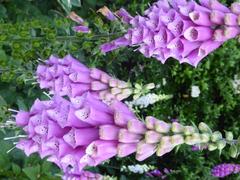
69, 77
178, 29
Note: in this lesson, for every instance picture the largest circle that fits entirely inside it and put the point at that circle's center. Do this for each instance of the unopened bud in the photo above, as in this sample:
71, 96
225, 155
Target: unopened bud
205, 137
216, 136
188, 130
212, 147
177, 140
162, 127
204, 128
177, 127
150, 86
221, 144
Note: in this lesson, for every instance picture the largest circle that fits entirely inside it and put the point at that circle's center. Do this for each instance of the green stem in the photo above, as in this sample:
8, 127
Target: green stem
62, 38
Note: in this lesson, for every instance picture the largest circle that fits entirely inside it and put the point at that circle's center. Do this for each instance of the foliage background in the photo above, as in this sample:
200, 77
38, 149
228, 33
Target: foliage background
33, 29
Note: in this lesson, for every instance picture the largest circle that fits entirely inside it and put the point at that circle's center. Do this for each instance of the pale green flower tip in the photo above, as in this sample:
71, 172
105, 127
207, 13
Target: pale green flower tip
204, 128
216, 136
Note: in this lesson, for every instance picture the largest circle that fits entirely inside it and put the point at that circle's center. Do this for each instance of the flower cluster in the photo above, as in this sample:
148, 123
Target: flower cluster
78, 133
223, 170
184, 30
69, 77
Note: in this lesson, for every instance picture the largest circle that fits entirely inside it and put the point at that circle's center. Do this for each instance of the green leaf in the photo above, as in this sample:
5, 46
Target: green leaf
21, 104
32, 172
16, 169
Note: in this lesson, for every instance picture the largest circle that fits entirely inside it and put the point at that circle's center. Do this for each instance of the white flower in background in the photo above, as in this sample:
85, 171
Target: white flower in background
109, 178
137, 168
236, 84
195, 92
145, 101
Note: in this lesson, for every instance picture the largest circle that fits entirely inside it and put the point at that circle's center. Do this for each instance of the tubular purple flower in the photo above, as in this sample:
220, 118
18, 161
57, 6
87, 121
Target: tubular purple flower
167, 25
74, 79
235, 8
22, 118
217, 17
124, 15
107, 13
125, 136
108, 132
198, 33
200, 18
82, 29
231, 19
124, 149
136, 126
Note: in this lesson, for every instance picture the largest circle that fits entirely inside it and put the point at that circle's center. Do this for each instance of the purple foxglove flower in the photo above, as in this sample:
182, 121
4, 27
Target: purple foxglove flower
125, 149
107, 13
69, 77
223, 170
124, 15
178, 28
127, 137
145, 150
235, 8
136, 126
81, 27
231, 19
152, 137
108, 132
22, 118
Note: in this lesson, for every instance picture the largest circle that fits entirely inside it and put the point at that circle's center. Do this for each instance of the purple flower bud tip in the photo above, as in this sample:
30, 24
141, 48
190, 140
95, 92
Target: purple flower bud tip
82, 29
107, 13
22, 118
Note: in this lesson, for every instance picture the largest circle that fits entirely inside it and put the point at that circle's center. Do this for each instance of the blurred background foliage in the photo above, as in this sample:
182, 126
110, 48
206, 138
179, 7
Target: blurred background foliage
32, 30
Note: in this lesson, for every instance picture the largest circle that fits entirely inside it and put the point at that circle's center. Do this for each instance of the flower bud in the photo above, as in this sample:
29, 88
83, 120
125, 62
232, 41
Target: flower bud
177, 139
229, 135
150, 86
216, 136
162, 127
193, 139
221, 144
152, 137
212, 147
205, 137
204, 128
150, 122
188, 130
177, 127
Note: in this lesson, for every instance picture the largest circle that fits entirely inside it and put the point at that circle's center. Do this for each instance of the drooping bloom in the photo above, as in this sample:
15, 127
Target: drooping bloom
69, 77
81, 27
223, 170
184, 30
